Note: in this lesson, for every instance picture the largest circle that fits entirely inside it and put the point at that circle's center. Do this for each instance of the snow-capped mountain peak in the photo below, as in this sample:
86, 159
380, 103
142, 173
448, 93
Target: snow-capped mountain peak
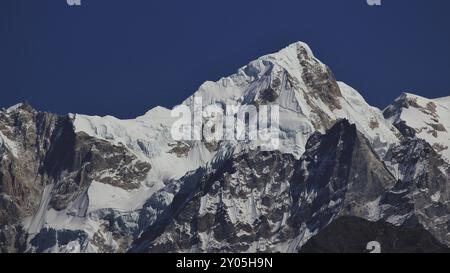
307, 92
109, 185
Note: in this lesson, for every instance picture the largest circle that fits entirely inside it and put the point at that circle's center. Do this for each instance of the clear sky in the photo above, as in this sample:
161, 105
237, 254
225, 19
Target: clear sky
123, 57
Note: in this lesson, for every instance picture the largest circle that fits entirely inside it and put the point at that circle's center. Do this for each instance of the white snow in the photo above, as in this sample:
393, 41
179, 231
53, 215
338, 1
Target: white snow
148, 137
102, 196
436, 196
72, 247
358, 111
398, 220
38, 220
14, 107
9, 144
422, 120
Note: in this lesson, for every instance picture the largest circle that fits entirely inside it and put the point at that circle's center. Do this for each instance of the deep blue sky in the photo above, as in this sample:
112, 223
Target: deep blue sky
123, 57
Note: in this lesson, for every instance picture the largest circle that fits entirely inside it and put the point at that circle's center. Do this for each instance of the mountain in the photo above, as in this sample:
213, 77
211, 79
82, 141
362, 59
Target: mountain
80, 183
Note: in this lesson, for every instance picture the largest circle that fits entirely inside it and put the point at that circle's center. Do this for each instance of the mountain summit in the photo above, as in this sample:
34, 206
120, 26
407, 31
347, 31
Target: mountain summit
81, 183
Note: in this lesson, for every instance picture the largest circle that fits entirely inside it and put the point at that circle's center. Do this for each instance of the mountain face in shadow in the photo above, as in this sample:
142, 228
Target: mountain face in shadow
352, 235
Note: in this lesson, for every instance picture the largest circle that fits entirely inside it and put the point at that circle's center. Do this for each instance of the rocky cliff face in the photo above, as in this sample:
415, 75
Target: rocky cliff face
26, 140
46, 165
267, 201
421, 195
78, 183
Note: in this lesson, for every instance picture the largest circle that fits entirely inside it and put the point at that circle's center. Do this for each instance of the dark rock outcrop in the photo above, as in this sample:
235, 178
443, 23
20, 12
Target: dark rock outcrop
352, 235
